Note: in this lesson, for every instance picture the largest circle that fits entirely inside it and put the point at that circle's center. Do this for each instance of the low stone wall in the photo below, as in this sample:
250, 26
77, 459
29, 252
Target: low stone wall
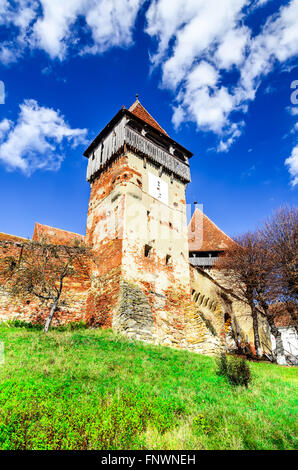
216, 303
72, 304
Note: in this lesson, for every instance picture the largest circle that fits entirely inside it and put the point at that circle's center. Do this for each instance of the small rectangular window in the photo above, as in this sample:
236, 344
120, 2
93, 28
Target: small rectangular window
147, 251
168, 260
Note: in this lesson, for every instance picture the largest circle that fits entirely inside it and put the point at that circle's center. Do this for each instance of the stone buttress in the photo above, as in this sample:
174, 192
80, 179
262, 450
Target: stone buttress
138, 229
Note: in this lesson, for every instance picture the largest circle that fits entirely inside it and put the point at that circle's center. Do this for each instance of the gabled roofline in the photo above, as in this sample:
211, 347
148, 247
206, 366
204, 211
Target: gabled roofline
14, 238
38, 224
122, 112
138, 103
213, 223
217, 229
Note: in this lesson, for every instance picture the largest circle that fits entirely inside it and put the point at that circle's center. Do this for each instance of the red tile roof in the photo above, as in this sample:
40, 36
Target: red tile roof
55, 235
204, 235
138, 110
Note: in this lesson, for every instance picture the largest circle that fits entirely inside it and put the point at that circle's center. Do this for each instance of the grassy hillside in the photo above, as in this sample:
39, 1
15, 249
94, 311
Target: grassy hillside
89, 389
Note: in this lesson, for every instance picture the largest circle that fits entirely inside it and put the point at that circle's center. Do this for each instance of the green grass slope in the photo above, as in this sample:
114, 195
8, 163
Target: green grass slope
89, 389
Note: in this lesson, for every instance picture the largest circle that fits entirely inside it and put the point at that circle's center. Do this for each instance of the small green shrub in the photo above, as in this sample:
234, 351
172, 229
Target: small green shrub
74, 325
23, 324
235, 369
222, 365
239, 372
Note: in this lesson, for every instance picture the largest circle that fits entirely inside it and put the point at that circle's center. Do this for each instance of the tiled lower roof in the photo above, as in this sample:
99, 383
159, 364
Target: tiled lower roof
54, 235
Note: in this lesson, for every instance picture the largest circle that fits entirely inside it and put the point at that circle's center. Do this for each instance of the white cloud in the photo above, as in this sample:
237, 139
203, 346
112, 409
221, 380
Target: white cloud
293, 110
164, 23
292, 164
56, 26
5, 125
199, 83
111, 23
202, 75
231, 50
51, 31
36, 140
199, 36
17, 18
260, 3
200, 42
277, 42
292, 161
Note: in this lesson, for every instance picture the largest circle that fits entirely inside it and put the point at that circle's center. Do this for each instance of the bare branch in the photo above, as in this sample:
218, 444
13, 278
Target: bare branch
39, 268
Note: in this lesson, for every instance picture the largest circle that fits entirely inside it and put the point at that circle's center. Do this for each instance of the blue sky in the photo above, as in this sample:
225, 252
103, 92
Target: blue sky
216, 75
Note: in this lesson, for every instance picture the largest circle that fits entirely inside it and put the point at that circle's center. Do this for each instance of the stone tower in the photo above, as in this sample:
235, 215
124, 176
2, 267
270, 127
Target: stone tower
137, 226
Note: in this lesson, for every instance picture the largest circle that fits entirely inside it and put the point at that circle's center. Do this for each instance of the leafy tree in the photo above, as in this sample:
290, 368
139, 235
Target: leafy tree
280, 234
262, 266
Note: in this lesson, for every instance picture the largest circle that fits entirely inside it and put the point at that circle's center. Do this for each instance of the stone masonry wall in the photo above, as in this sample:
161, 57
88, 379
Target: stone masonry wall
105, 284
163, 275
199, 336
215, 303
105, 233
134, 316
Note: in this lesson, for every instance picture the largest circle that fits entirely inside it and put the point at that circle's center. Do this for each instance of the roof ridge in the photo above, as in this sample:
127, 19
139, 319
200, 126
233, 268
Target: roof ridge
132, 107
15, 236
61, 229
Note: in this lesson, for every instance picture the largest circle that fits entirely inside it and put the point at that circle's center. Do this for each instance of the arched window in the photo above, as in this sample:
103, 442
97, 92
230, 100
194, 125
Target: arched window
228, 323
